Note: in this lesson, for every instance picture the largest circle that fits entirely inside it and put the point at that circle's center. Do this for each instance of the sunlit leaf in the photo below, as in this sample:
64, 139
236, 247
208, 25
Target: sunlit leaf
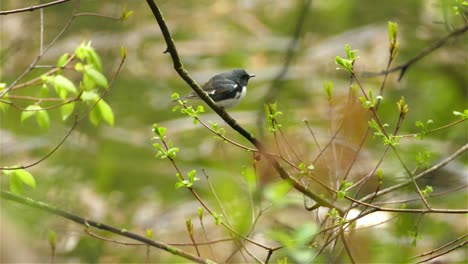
42, 118
66, 110
97, 77
106, 112
30, 111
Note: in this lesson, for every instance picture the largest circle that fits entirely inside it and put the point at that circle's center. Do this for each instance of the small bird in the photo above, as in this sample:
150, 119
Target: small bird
226, 89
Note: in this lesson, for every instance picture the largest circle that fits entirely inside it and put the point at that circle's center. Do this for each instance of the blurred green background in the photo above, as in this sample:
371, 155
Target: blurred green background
110, 173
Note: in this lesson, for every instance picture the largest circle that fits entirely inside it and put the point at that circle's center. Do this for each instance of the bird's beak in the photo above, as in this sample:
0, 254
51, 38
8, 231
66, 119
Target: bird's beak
251, 75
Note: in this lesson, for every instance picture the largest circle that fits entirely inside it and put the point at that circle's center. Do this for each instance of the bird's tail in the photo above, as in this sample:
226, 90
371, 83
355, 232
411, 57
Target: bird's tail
188, 96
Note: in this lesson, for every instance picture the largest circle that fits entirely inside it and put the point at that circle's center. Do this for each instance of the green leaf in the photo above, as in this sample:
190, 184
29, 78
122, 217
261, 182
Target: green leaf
95, 116
52, 239
89, 97
66, 110
200, 213
328, 88
42, 119
63, 85
123, 53
463, 115
30, 111
97, 77
26, 177
94, 59
16, 185
171, 153
149, 233
191, 175
20, 177
175, 96
392, 31
106, 112
63, 59
88, 83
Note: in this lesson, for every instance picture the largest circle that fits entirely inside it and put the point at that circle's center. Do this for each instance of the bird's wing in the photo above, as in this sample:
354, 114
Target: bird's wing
216, 88
219, 88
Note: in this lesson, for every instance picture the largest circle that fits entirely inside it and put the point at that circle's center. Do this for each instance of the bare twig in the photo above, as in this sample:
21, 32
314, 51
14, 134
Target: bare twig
32, 8
288, 58
90, 223
431, 169
404, 66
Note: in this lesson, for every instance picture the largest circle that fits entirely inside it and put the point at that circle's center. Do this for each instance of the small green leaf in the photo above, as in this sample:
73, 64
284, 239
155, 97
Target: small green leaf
95, 116
402, 106
26, 177
30, 111
16, 185
97, 77
149, 233
89, 97
463, 115
175, 96
191, 175
200, 213
20, 177
52, 239
171, 153
123, 53
62, 83
42, 118
217, 218
380, 175
88, 83
94, 59
106, 112
63, 59
392, 31
328, 88
66, 110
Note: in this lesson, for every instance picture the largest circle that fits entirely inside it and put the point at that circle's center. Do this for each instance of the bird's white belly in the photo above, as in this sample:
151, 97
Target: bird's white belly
228, 103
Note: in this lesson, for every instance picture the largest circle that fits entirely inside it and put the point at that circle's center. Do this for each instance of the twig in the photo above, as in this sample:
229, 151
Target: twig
441, 247
32, 8
80, 220
444, 252
404, 66
431, 169
288, 57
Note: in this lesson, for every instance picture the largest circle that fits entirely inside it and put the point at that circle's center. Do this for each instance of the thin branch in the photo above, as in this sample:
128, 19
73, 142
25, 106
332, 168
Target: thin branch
441, 247
404, 66
288, 58
431, 169
444, 252
179, 68
32, 8
90, 223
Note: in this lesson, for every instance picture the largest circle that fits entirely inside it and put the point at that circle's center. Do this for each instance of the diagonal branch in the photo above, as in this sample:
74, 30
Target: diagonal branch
32, 8
80, 220
404, 66
178, 66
